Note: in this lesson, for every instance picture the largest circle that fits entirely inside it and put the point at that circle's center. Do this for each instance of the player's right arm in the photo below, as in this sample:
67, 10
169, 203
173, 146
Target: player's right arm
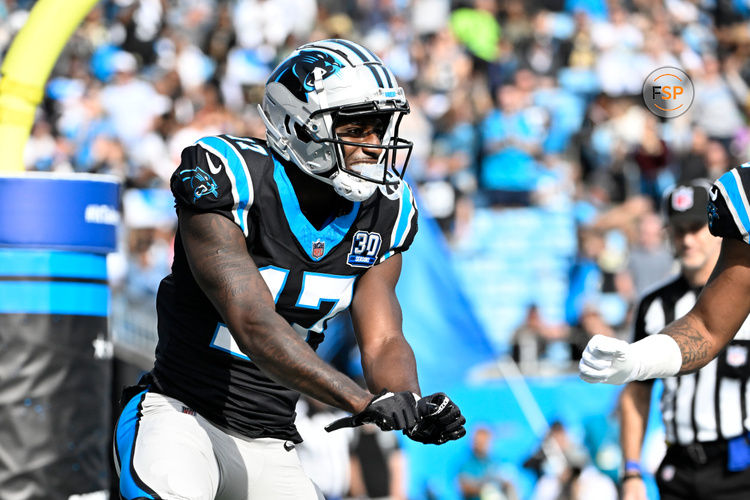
721, 309
635, 402
219, 260
724, 303
688, 343
692, 341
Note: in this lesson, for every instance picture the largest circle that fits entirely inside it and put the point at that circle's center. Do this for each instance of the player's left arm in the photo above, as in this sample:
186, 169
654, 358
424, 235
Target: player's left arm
388, 360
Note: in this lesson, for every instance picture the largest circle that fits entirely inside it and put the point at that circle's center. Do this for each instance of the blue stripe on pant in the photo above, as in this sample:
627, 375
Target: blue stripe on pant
131, 487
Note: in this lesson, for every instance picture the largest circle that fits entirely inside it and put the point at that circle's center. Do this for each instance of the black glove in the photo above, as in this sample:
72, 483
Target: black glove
387, 410
440, 420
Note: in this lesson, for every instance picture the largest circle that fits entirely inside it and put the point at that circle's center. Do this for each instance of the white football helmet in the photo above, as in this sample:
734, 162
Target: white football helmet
321, 85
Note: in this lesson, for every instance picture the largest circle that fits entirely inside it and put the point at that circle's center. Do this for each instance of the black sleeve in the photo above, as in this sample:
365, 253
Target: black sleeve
405, 224
728, 215
210, 179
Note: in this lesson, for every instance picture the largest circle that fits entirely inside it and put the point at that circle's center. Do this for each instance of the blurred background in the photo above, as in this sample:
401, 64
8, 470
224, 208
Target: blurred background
539, 173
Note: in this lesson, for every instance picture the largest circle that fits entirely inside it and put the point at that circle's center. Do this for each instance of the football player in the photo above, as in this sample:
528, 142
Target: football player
276, 237
690, 342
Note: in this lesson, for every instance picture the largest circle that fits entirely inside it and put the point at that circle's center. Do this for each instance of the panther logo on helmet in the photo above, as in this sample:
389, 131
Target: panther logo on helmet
303, 106
296, 73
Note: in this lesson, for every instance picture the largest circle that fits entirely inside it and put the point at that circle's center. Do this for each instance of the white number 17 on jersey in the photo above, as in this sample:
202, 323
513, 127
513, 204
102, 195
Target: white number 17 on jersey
316, 289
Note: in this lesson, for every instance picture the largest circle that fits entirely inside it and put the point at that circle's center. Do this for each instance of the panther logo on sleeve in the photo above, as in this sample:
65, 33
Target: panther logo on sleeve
201, 183
713, 213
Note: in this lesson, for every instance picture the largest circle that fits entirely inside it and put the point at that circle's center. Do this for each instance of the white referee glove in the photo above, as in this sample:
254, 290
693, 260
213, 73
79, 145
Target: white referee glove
614, 361
608, 360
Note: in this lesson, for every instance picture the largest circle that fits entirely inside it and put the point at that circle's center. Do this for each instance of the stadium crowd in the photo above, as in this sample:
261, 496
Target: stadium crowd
522, 113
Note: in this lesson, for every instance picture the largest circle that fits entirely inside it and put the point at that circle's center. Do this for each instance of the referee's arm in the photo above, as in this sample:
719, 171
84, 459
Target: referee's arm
635, 402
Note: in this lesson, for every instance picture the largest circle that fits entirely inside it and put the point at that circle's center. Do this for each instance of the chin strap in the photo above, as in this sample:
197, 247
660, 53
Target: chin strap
394, 191
352, 188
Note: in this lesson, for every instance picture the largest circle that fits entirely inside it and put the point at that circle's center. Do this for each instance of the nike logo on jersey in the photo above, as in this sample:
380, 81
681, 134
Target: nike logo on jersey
714, 193
211, 167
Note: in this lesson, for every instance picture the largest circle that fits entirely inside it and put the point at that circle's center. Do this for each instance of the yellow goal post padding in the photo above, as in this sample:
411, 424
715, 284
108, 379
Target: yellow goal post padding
26, 68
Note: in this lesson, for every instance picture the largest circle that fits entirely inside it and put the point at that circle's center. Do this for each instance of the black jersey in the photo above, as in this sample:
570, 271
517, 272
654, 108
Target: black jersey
728, 208
311, 274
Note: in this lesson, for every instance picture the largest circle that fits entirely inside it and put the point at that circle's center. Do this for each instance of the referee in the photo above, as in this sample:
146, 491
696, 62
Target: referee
707, 413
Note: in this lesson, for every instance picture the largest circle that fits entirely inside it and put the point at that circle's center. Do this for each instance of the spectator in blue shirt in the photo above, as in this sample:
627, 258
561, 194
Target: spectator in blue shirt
480, 475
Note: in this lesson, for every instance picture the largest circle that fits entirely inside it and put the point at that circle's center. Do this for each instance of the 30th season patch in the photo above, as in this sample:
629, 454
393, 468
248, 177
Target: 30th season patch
365, 247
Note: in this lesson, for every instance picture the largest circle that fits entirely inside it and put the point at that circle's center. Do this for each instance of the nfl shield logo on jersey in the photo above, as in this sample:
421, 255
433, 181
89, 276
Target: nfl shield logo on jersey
318, 249
736, 355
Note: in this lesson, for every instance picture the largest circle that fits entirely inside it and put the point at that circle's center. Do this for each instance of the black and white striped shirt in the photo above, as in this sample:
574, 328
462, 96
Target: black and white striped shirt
712, 403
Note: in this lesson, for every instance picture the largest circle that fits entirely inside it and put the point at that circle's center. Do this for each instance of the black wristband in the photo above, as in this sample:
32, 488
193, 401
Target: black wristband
632, 475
